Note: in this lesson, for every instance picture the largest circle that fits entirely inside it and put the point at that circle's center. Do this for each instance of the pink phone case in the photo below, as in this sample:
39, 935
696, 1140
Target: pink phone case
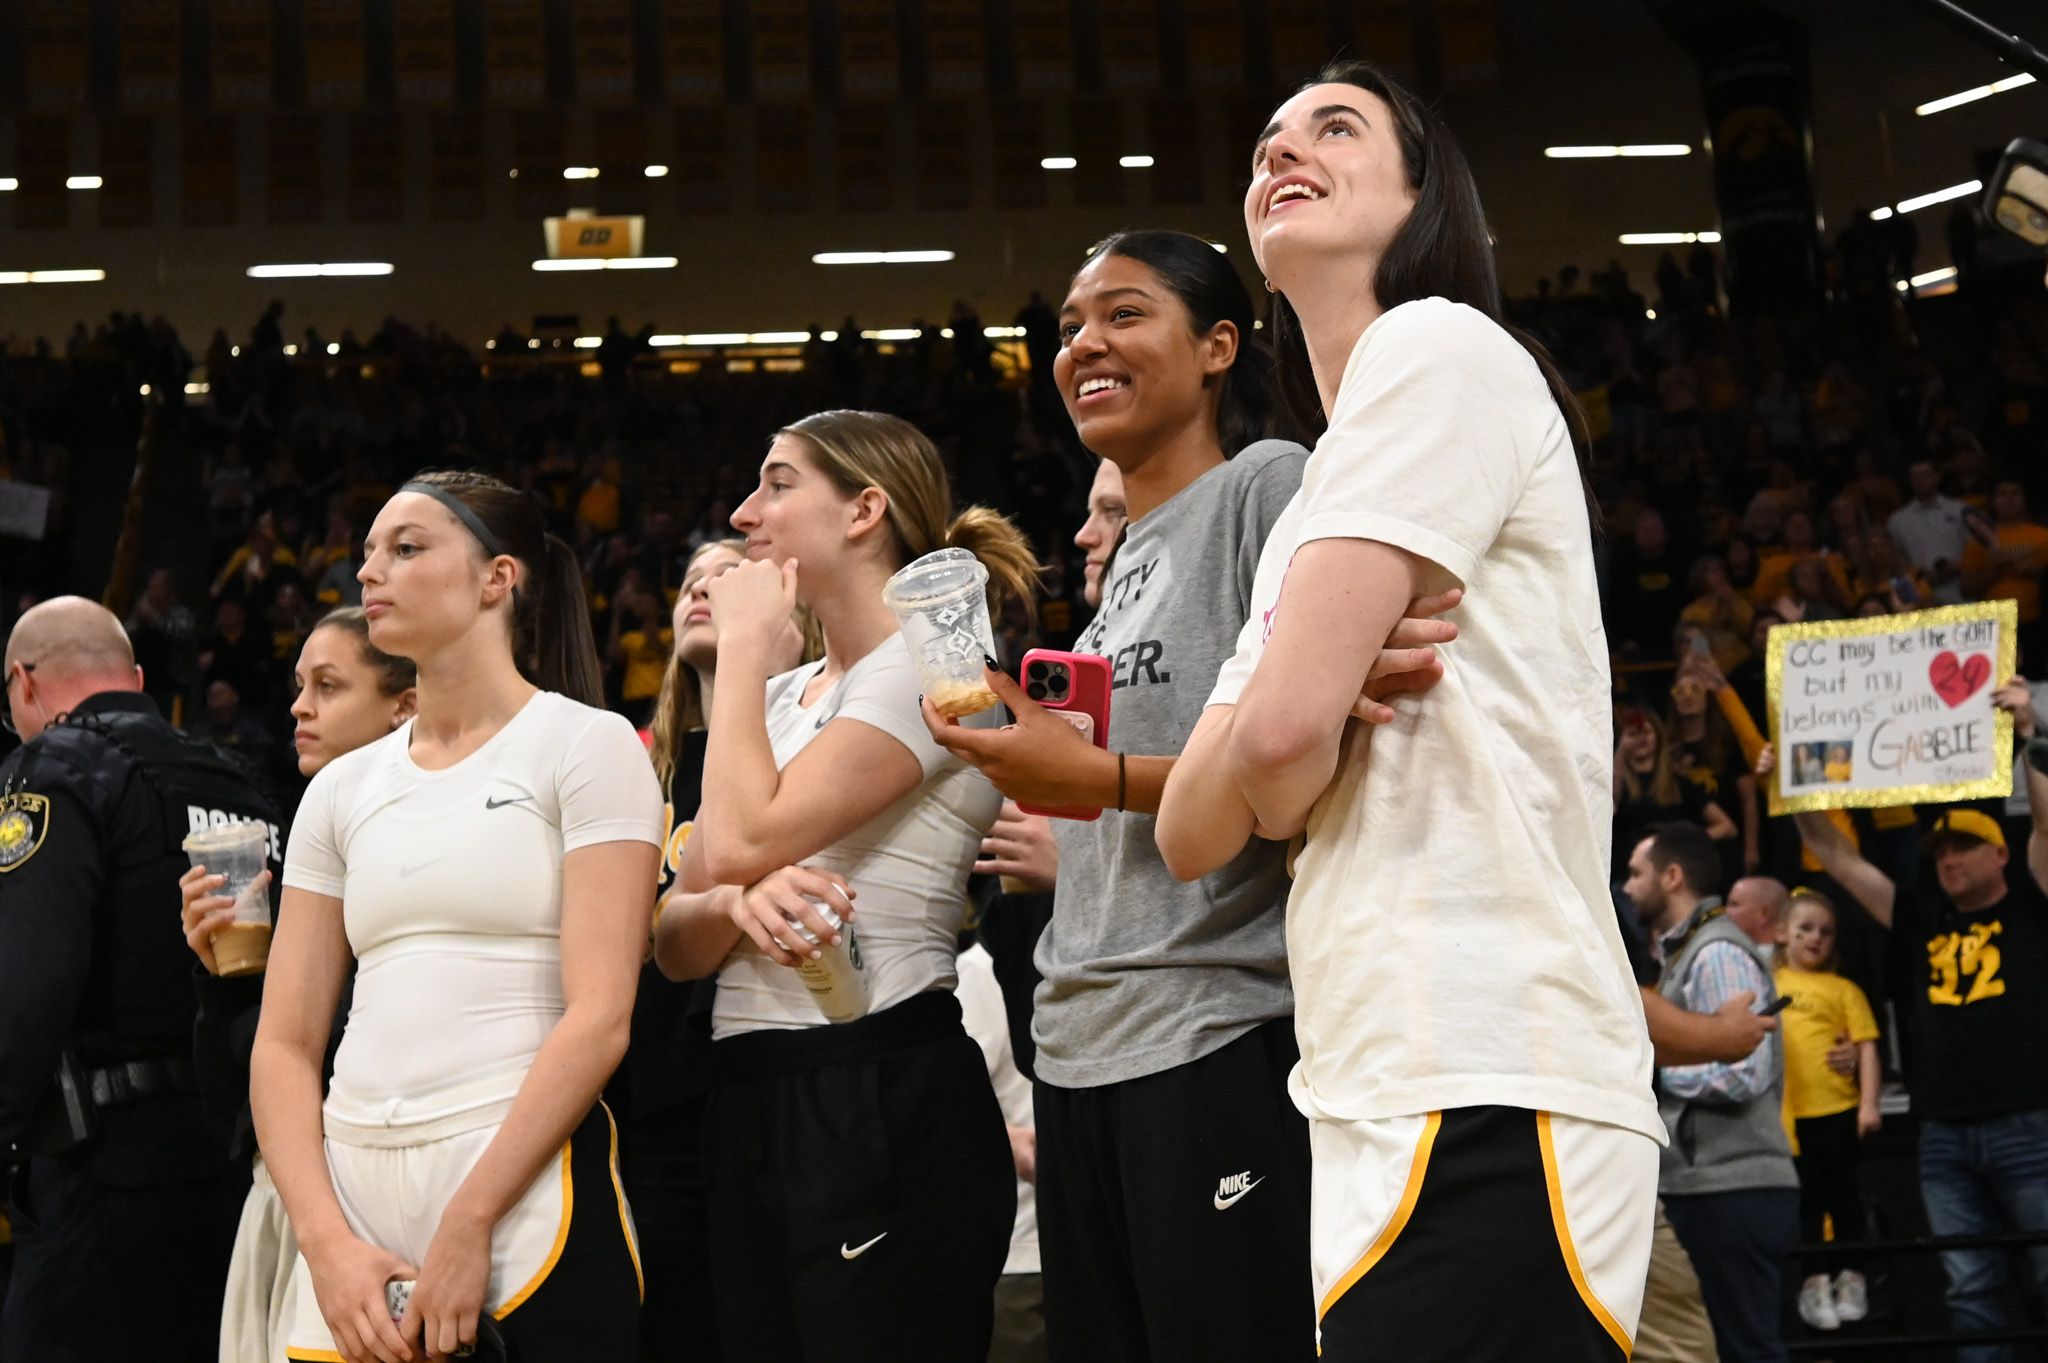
1083, 702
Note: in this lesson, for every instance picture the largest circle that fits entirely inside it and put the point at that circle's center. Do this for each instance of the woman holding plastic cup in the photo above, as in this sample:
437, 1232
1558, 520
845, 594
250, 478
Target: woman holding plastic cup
348, 694
861, 1185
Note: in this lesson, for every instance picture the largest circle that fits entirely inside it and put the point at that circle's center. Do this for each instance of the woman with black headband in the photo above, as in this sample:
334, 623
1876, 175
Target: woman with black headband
491, 867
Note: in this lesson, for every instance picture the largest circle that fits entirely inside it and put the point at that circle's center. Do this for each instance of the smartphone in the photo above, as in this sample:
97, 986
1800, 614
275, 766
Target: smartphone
1074, 686
1775, 1006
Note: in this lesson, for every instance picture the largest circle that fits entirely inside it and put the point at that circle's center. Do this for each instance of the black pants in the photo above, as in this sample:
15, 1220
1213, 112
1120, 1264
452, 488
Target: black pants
1828, 1186
103, 1271
861, 1191
1738, 1243
1173, 1212
661, 1155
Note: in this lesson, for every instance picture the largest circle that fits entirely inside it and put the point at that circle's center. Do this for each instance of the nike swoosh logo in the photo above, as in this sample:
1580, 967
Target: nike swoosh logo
859, 1250
1224, 1204
489, 803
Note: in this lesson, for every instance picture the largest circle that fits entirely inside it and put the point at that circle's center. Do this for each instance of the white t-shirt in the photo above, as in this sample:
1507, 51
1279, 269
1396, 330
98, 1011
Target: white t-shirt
451, 891
1450, 930
908, 865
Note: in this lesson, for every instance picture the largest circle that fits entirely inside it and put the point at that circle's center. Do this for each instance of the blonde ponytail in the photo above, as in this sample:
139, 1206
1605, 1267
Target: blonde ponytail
1013, 571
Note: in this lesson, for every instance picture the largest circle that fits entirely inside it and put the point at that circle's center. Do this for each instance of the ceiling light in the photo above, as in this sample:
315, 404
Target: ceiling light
655, 172
1135, 162
291, 350
1057, 163
82, 182
1921, 281
66, 276
1940, 196
891, 334
641, 263
579, 172
8, 184
1668, 238
1880, 214
1629, 149
1975, 92
334, 347
332, 269
573, 263
880, 258
589, 342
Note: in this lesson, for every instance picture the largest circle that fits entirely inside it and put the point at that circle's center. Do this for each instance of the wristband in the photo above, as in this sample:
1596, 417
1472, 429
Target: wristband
1119, 780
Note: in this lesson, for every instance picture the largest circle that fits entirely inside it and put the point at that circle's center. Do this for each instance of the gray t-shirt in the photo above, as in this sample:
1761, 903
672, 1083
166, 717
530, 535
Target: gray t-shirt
1143, 973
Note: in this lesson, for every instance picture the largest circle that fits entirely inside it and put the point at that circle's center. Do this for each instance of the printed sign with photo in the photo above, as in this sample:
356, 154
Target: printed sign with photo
1892, 709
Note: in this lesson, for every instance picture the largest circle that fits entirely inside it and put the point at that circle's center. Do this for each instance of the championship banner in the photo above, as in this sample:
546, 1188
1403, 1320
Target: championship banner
1019, 133
700, 160
1891, 710
239, 53
457, 187
1216, 44
423, 51
692, 50
292, 163
516, 52
128, 161
604, 50
211, 194
1130, 46
782, 48
956, 47
376, 168
1044, 36
945, 173
59, 61
335, 52
867, 48
782, 158
152, 53
862, 157
42, 161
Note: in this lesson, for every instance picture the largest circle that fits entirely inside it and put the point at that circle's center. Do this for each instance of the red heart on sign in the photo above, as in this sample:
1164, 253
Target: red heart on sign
1957, 679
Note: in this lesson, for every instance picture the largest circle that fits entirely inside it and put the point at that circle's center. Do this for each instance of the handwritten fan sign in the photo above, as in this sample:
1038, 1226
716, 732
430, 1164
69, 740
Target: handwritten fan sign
1891, 709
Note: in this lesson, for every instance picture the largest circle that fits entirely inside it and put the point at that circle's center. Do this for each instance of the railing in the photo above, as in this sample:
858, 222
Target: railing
1855, 1339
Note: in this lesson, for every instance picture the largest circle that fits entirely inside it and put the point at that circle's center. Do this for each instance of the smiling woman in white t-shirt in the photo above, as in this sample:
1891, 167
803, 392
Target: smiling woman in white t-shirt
491, 866
860, 1183
1473, 1056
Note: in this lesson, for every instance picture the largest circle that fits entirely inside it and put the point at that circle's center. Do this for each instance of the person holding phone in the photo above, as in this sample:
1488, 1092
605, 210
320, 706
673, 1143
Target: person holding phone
861, 1190
1168, 1154
1474, 1060
491, 867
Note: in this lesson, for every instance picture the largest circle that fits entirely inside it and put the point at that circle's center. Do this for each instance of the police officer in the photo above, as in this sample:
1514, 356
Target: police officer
122, 1197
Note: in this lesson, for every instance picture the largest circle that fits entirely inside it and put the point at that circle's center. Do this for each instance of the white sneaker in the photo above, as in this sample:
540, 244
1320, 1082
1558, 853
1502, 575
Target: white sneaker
1817, 1303
1852, 1296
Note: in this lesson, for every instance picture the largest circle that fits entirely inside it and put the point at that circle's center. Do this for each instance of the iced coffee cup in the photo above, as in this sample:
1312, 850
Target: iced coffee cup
941, 601
237, 851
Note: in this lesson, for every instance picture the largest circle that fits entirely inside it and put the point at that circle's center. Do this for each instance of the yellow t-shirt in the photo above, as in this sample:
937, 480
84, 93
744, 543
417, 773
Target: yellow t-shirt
1823, 1007
646, 662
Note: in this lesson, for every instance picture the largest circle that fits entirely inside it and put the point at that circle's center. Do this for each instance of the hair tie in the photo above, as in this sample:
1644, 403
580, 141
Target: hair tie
462, 512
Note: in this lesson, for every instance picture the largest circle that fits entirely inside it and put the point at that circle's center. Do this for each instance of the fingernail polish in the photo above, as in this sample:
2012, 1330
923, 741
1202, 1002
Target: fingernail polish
991, 663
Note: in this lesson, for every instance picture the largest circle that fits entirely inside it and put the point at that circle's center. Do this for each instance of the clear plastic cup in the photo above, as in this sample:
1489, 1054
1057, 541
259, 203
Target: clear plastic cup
941, 601
238, 851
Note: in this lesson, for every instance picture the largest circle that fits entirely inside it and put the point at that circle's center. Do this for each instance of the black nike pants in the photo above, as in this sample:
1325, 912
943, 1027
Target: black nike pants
861, 1191
1173, 1212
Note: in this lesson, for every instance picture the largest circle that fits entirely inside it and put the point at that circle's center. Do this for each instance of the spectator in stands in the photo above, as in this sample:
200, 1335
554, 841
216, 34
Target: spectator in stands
2009, 567
1726, 1179
1648, 791
1929, 532
1972, 955
1830, 1113
166, 639
1812, 592
1756, 904
639, 647
225, 722
1644, 591
235, 652
1720, 611
1705, 752
256, 570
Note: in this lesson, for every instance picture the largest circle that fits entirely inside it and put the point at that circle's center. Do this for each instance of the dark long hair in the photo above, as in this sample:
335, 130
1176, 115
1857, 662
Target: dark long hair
1208, 286
551, 638
1443, 250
